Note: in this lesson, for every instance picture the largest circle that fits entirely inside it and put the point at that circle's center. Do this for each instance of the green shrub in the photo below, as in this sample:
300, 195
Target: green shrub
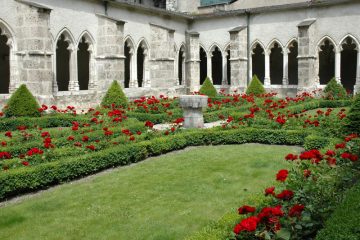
23, 180
22, 104
115, 95
344, 223
208, 88
255, 87
334, 90
316, 142
353, 118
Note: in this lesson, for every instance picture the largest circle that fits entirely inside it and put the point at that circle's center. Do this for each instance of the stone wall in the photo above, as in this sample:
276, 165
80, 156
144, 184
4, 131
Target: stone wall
34, 50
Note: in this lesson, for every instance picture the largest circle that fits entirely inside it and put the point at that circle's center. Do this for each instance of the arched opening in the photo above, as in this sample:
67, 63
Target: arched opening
216, 66
258, 62
140, 65
181, 66
83, 62
276, 65
293, 63
348, 63
4, 64
127, 72
228, 69
203, 65
62, 64
326, 62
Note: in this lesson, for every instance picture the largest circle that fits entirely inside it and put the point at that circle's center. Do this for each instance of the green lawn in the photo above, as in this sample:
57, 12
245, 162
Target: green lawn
168, 197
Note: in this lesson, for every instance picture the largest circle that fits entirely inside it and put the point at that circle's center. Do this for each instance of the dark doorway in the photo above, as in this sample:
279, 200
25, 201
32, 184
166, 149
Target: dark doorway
4, 65
140, 66
127, 50
258, 62
293, 64
83, 59
326, 63
276, 65
180, 66
228, 63
217, 67
348, 64
203, 66
62, 64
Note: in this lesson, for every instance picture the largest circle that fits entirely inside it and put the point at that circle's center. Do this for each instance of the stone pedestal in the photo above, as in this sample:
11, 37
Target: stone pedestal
193, 106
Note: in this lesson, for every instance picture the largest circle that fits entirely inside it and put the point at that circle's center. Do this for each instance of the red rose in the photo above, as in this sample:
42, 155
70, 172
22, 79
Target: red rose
132, 138
85, 138
8, 134
307, 173
296, 210
291, 157
330, 153
285, 195
25, 163
282, 175
246, 209
270, 191
91, 147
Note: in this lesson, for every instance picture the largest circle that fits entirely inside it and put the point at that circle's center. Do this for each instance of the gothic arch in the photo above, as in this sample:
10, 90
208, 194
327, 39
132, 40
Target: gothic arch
203, 55
276, 55
86, 61
291, 70
180, 64
349, 62
326, 48
8, 63
143, 68
227, 65
216, 56
257, 61
130, 67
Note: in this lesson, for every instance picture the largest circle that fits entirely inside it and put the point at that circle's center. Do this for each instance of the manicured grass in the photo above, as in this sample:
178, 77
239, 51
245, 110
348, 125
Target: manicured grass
168, 197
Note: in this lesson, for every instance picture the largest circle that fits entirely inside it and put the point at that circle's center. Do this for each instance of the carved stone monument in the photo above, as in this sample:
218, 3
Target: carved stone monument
193, 106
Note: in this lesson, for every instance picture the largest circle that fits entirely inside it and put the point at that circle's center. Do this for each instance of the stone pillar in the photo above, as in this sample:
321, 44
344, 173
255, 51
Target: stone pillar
162, 45
192, 80
110, 52
338, 64
224, 68
267, 81
238, 58
286, 67
73, 83
92, 66
250, 66
133, 70
35, 50
209, 66
357, 83
183, 69
146, 70
307, 73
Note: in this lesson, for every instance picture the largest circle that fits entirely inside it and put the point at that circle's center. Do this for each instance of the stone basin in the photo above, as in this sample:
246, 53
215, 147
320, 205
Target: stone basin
193, 106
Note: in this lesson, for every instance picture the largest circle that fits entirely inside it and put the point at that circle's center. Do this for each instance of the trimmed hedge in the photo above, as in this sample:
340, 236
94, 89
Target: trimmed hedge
316, 142
49, 121
344, 223
353, 118
115, 95
24, 180
22, 103
255, 87
334, 90
208, 88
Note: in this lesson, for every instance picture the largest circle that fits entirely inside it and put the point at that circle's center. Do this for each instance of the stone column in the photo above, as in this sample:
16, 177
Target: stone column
73, 83
209, 66
286, 67
183, 69
338, 64
267, 81
238, 58
35, 50
357, 84
224, 68
146, 70
133, 70
110, 51
92, 66
250, 66
307, 72
192, 62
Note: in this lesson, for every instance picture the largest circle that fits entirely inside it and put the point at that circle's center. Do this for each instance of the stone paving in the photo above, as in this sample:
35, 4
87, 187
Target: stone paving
167, 126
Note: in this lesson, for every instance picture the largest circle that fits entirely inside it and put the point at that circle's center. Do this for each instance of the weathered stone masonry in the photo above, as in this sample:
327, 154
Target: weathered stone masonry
155, 38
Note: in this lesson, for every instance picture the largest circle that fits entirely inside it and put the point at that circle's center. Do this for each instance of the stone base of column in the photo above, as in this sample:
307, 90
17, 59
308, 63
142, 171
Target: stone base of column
267, 82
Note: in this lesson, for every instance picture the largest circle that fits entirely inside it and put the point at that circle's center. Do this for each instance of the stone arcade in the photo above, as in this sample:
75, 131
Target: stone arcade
68, 52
